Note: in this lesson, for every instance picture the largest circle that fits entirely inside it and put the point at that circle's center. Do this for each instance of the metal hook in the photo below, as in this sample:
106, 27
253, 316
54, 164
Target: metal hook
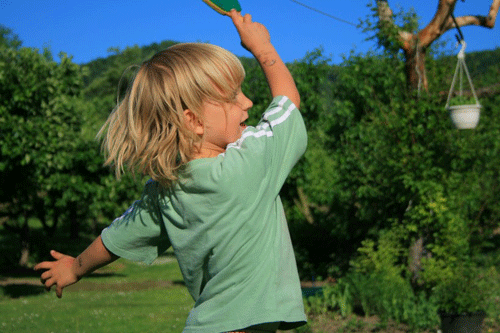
461, 53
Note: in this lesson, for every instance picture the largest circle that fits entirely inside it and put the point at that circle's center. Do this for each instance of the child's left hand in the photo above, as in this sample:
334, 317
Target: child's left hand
59, 272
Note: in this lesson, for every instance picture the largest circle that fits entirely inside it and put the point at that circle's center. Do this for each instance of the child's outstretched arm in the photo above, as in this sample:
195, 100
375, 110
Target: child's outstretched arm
256, 39
66, 270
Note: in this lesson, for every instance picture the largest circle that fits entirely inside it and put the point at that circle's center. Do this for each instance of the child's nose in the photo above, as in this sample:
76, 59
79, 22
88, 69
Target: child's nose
247, 103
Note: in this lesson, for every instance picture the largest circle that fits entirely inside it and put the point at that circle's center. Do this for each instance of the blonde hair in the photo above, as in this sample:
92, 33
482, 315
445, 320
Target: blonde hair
147, 132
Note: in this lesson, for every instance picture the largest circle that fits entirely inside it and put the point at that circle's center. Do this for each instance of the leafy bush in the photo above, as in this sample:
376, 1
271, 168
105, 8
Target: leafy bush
386, 295
468, 289
462, 100
335, 297
390, 296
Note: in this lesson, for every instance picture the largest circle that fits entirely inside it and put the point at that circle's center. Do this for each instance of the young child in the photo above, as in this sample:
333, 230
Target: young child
214, 193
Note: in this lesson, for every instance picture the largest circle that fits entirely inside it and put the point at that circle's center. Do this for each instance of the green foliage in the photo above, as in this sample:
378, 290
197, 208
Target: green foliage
390, 296
440, 199
466, 288
8, 38
483, 66
381, 293
39, 120
462, 100
383, 255
335, 297
50, 166
380, 158
386, 32
401, 173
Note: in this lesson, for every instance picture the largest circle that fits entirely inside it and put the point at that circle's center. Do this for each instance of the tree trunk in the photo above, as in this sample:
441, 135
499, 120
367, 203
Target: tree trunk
303, 205
415, 259
25, 244
416, 75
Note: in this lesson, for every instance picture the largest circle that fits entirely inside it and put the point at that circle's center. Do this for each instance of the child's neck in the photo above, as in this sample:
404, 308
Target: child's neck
207, 151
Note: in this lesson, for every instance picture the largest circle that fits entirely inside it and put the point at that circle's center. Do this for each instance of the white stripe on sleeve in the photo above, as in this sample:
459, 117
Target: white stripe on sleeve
263, 128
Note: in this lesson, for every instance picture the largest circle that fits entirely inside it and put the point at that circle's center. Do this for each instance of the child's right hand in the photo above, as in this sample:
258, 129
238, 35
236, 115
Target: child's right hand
58, 272
254, 36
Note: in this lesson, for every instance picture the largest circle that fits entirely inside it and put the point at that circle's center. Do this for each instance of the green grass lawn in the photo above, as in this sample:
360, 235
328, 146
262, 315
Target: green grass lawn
123, 297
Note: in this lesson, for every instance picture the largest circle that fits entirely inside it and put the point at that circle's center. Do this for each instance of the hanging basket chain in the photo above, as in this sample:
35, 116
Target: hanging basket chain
463, 115
461, 67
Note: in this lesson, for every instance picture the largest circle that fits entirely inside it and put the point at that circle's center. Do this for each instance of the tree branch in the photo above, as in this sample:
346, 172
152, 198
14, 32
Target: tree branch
442, 21
479, 20
384, 13
438, 25
302, 204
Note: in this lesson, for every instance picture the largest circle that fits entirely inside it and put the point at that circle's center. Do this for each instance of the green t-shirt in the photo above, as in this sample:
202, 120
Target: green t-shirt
226, 223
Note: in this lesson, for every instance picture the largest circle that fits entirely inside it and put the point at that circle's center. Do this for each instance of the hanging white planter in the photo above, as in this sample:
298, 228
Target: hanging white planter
464, 114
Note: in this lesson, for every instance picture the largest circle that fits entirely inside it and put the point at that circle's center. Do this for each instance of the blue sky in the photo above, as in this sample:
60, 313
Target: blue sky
86, 29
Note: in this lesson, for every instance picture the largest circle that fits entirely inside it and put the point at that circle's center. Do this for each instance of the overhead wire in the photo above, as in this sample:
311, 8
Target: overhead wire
323, 13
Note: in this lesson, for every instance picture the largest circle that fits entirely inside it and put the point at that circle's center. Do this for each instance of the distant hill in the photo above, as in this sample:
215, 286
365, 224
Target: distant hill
483, 66
99, 66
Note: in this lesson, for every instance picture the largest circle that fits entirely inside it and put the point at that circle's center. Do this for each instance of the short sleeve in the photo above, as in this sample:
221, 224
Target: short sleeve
270, 150
139, 234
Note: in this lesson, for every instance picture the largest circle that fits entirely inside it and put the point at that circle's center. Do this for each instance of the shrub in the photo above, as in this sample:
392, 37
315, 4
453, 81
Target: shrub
390, 296
333, 298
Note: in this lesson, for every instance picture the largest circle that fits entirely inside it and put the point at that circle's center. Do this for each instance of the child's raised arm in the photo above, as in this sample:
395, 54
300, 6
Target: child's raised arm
66, 270
256, 39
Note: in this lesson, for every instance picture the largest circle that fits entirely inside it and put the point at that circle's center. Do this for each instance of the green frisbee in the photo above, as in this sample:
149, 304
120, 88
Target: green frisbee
223, 6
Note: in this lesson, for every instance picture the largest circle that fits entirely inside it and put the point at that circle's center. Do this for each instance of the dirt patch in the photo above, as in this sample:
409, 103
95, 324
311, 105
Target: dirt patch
333, 322
119, 286
313, 284
19, 281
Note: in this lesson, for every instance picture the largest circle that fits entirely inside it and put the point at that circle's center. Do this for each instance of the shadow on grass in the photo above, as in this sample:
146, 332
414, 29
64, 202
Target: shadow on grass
16, 282
16, 287
17, 272
15, 290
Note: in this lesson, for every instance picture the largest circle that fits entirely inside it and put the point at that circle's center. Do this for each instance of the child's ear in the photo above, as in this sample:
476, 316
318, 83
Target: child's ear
193, 122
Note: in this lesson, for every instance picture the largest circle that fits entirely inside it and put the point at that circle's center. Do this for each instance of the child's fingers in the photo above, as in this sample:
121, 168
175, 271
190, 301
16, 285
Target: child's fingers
59, 290
49, 283
236, 17
45, 276
43, 265
56, 255
247, 18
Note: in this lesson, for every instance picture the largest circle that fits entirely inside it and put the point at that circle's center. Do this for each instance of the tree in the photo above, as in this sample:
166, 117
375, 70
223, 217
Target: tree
415, 44
40, 121
425, 188
8, 38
